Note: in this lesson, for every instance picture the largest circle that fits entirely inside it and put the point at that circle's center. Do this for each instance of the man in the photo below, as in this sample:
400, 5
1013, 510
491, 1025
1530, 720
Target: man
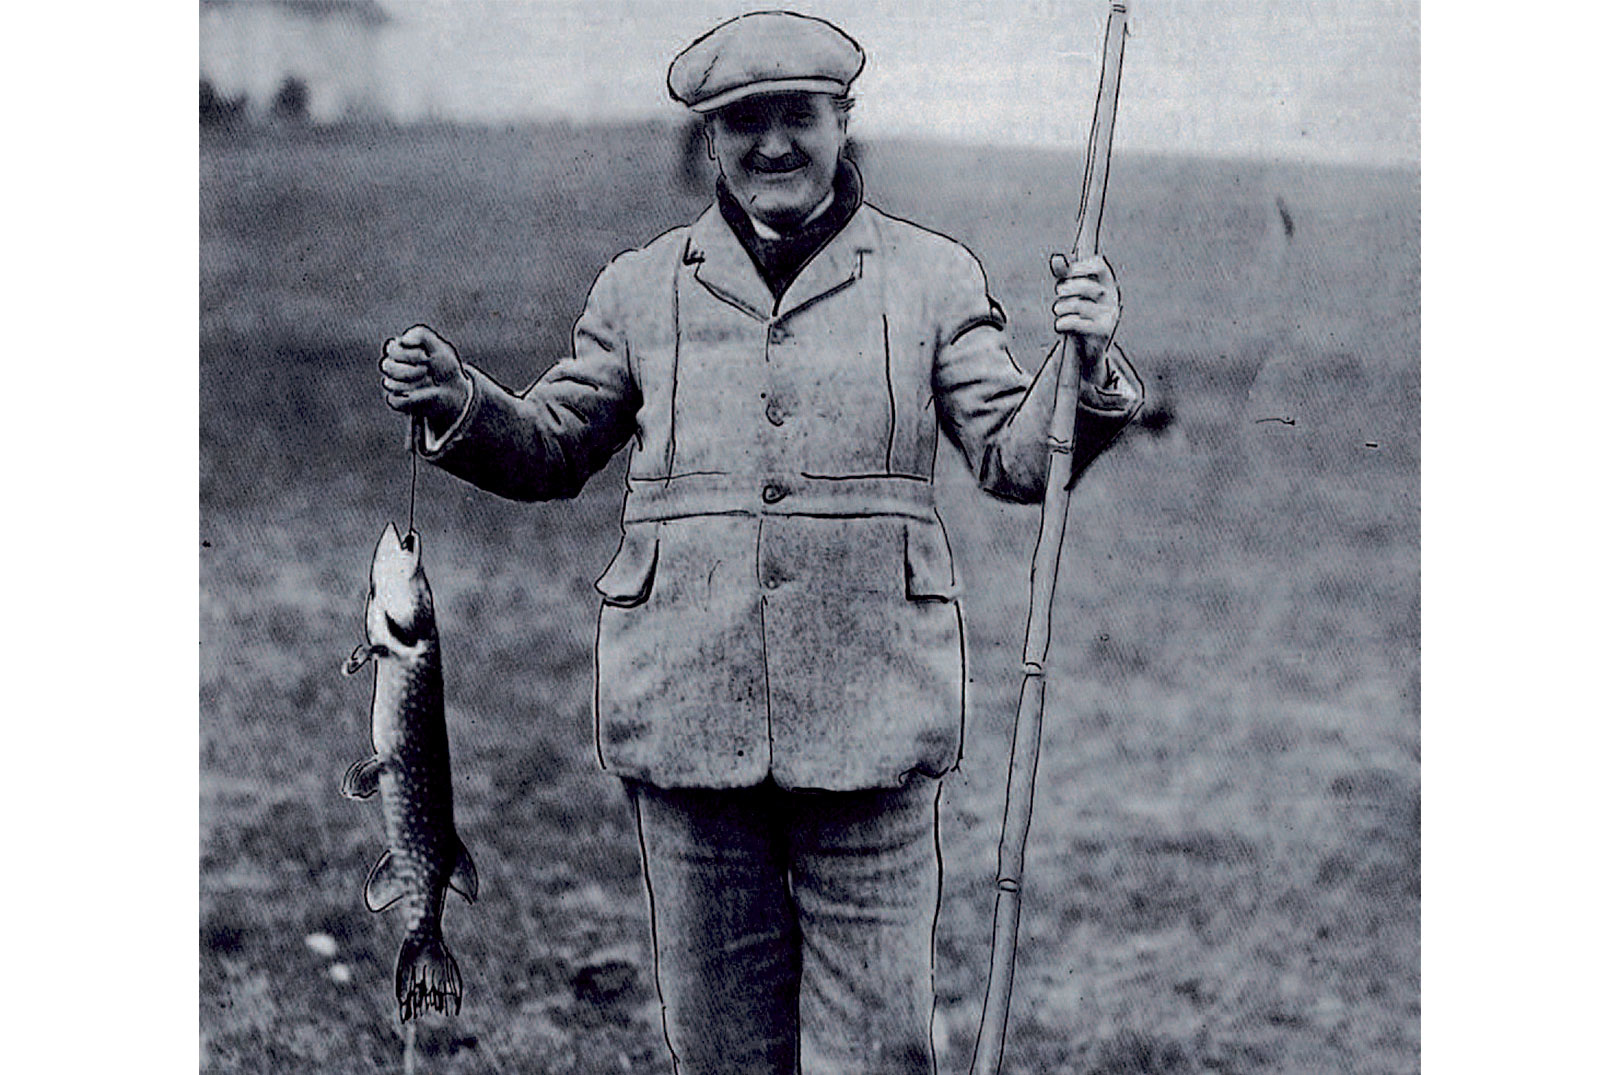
780, 652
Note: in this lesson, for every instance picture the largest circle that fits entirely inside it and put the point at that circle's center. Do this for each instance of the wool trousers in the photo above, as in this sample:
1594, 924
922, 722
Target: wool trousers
793, 930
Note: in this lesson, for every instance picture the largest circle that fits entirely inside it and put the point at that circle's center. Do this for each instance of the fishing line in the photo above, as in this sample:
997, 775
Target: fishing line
410, 520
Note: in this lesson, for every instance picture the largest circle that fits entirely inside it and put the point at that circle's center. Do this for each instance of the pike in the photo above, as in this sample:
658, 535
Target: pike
411, 769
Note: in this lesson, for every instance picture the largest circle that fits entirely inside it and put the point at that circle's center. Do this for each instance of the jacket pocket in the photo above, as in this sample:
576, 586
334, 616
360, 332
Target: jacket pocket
930, 573
628, 580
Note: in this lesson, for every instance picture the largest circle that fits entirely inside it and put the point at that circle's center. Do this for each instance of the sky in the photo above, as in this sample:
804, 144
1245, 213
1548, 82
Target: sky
1300, 79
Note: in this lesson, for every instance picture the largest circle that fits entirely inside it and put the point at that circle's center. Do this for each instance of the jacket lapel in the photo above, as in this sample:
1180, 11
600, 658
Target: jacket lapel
839, 263
724, 267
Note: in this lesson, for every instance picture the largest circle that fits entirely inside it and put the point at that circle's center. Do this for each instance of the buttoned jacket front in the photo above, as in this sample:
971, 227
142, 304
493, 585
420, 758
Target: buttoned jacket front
783, 601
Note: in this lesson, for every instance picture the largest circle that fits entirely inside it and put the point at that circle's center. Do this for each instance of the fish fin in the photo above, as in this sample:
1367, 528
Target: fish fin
464, 878
426, 976
387, 884
363, 778
364, 652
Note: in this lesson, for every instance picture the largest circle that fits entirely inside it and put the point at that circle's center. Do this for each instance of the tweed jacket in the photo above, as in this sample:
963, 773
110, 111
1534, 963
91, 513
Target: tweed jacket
783, 600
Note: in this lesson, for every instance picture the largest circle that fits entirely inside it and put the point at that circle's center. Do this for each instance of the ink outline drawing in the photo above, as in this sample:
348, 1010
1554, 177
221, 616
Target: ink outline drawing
853, 339
783, 378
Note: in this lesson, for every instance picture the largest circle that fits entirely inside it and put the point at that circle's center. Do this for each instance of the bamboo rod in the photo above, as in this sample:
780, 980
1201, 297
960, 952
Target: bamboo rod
1043, 583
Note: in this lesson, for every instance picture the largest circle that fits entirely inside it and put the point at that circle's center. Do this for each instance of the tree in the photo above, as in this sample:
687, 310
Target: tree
215, 110
292, 101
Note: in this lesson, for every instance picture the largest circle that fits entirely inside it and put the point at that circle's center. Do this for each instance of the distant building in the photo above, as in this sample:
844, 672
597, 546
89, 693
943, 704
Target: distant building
328, 53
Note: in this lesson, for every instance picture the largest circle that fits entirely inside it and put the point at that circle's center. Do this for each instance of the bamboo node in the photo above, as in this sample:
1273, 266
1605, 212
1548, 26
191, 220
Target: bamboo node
1008, 884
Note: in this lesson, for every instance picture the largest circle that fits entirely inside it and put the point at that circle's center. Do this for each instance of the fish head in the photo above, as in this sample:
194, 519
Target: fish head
399, 608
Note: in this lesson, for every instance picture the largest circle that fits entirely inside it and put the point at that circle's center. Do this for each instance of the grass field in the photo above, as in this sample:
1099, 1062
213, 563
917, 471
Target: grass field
1223, 875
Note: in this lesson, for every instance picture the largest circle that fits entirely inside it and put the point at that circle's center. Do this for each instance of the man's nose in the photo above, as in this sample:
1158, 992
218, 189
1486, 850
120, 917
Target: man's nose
774, 142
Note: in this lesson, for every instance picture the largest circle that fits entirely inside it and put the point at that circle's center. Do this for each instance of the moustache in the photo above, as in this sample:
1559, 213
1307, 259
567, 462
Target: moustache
774, 165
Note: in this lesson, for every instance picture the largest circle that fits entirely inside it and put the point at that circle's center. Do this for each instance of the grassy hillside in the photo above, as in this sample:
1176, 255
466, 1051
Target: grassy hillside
1223, 873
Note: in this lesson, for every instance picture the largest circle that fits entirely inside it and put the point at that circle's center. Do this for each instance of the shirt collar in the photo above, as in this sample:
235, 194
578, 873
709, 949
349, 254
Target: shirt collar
765, 231
847, 188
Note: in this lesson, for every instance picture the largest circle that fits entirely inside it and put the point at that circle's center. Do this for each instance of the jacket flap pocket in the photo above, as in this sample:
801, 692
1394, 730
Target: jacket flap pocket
628, 579
930, 574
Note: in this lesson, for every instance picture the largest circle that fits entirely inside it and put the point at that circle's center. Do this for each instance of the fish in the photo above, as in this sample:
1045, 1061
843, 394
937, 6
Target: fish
410, 769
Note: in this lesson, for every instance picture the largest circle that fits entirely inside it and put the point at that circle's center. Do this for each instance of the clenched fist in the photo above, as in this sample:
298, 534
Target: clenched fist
422, 376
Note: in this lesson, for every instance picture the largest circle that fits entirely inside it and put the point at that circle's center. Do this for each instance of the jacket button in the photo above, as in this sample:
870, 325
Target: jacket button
778, 333
772, 493
774, 412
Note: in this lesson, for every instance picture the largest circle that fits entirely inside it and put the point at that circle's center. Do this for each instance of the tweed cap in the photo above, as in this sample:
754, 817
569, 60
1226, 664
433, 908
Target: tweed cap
764, 52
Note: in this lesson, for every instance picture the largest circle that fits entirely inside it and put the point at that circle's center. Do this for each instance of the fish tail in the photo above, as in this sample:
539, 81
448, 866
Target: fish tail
426, 976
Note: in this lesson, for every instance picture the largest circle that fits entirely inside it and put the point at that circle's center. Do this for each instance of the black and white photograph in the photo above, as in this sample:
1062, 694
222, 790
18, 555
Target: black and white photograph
856, 537
1000, 536
1005, 536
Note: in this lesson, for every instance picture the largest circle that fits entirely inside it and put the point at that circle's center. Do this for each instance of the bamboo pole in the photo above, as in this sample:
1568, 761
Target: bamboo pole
1043, 582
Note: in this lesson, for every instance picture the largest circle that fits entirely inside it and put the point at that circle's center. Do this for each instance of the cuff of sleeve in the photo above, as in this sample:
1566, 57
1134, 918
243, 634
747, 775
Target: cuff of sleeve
434, 444
1105, 412
1121, 397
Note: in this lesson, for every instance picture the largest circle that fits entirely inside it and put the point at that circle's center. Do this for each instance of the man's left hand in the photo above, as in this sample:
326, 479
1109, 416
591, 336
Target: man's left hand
1087, 305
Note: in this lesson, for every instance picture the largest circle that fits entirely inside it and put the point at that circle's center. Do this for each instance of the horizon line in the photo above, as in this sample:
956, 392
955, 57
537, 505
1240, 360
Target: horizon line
676, 123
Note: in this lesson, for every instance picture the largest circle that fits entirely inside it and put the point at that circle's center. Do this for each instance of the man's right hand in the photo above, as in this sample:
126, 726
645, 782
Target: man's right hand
422, 376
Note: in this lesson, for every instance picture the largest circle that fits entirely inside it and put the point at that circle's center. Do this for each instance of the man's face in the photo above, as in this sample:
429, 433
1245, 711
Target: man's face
778, 153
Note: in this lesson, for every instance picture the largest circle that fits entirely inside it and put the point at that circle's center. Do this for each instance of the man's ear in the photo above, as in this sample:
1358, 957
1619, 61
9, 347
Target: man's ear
708, 138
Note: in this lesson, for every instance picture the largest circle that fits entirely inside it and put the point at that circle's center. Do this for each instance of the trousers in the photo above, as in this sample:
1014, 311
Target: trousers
793, 930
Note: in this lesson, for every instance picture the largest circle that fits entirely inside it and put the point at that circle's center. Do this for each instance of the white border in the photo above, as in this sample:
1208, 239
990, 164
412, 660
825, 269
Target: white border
1519, 382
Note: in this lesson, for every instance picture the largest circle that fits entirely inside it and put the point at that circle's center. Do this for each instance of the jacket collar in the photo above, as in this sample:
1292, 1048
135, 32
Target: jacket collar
724, 267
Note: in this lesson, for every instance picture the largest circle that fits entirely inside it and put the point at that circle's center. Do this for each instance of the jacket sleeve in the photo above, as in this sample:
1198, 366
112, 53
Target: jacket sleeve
1001, 417
543, 443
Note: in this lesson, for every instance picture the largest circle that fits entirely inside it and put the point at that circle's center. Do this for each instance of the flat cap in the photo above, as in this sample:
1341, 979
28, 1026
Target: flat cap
764, 52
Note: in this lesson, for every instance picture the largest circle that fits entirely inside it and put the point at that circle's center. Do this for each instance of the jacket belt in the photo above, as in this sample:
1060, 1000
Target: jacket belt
657, 499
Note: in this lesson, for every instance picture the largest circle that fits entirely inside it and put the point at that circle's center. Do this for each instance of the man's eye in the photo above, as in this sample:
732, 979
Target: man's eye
745, 122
